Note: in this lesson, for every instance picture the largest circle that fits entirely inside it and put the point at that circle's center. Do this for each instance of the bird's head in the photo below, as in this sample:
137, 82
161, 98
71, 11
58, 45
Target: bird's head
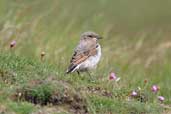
90, 35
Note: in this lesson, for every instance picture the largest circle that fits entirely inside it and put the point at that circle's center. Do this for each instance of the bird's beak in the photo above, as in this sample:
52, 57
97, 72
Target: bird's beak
100, 37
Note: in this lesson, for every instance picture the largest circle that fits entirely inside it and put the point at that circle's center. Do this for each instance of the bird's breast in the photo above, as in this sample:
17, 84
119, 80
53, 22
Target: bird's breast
92, 61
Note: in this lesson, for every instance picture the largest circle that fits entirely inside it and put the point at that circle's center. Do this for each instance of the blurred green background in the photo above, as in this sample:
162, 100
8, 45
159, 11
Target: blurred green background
55, 26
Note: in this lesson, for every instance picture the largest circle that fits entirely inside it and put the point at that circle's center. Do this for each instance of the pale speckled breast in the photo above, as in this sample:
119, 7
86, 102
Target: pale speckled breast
92, 61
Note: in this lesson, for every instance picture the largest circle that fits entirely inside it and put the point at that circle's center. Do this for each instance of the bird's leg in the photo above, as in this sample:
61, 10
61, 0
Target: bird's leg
78, 73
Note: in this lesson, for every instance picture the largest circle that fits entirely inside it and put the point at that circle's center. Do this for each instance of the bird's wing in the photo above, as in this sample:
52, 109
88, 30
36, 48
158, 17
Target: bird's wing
79, 56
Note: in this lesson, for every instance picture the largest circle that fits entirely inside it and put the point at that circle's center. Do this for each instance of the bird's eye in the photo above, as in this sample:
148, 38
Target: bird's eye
90, 36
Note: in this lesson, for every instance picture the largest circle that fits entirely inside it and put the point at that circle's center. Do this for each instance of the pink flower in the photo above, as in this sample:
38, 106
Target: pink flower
154, 88
12, 44
161, 98
112, 76
134, 93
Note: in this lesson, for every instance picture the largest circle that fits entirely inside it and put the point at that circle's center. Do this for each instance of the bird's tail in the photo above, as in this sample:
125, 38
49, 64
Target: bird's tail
71, 68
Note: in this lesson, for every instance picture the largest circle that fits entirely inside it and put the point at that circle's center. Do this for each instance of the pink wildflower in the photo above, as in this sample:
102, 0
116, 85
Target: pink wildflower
112, 76
134, 93
154, 88
161, 98
12, 44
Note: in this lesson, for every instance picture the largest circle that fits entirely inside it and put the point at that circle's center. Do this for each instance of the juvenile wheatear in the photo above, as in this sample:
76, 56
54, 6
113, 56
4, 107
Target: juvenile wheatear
87, 53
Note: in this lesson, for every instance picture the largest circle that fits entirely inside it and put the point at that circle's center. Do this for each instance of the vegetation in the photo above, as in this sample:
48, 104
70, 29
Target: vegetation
37, 39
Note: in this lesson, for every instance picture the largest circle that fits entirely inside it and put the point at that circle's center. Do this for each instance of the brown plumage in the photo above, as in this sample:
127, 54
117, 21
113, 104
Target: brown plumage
86, 48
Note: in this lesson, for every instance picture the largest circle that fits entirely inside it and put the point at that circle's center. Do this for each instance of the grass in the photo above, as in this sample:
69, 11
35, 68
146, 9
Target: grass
136, 46
40, 83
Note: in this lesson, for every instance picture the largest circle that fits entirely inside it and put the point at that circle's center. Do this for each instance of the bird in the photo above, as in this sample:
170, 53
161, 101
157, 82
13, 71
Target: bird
87, 53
